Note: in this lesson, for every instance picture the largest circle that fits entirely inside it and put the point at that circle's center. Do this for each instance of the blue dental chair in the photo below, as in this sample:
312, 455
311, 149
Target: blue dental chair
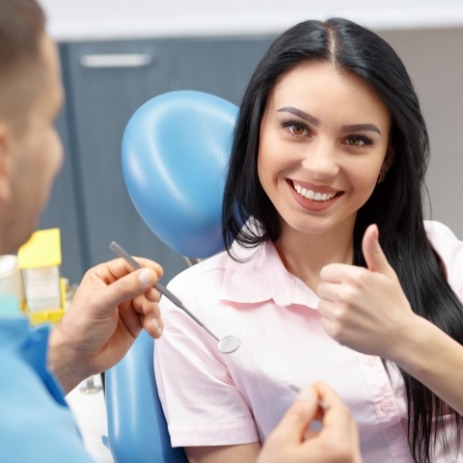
175, 153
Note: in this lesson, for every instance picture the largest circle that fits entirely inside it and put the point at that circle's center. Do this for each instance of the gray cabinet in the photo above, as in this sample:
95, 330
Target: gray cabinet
105, 83
62, 210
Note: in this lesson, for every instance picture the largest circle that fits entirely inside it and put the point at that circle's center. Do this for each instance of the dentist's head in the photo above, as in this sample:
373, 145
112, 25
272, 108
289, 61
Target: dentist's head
30, 98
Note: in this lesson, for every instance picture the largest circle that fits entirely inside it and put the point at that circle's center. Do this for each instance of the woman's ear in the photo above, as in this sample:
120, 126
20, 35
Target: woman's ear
388, 159
5, 161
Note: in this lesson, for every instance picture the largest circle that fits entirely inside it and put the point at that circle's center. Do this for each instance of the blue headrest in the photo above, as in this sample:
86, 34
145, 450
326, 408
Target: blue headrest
175, 152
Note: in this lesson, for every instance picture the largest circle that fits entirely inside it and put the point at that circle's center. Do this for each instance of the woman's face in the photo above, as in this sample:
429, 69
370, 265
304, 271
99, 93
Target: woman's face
323, 142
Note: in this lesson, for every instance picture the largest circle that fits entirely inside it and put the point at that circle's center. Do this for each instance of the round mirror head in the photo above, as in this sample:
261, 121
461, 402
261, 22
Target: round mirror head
229, 344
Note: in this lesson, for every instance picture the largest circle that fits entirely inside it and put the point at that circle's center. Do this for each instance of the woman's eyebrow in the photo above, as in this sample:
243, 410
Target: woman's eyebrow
302, 114
361, 127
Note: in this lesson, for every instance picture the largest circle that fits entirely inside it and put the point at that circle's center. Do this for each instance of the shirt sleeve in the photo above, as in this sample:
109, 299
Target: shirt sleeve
34, 425
450, 250
202, 405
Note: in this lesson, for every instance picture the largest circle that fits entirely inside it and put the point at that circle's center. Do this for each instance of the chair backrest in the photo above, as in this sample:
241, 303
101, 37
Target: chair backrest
175, 153
137, 429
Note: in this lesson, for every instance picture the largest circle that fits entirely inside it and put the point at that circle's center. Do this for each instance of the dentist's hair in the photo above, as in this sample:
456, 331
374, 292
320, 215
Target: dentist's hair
22, 24
395, 205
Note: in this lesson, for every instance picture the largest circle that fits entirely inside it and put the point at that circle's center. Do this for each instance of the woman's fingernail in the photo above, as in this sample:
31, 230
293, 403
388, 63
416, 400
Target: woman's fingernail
146, 277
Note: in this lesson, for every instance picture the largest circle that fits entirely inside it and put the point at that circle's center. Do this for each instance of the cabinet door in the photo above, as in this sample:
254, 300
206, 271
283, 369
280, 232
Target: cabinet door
62, 209
108, 82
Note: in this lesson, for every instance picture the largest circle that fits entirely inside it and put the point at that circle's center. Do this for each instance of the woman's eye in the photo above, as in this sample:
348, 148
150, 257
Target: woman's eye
358, 140
296, 128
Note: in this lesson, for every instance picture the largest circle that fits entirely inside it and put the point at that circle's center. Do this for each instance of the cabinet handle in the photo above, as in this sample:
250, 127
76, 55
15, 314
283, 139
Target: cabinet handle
116, 60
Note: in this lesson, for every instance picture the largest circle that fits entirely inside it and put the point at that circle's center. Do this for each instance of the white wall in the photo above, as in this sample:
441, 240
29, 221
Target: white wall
82, 19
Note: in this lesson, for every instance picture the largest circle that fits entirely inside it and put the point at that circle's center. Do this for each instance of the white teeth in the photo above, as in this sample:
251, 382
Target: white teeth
314, 195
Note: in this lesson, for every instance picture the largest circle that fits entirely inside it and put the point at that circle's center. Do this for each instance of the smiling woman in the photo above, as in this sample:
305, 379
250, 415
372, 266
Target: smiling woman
330, 271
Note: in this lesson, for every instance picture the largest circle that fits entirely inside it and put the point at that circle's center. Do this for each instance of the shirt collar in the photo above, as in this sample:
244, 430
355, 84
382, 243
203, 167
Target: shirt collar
260, 275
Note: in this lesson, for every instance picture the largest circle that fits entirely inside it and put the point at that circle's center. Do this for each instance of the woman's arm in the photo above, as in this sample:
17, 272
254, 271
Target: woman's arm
367, 310
246, 453
434, 359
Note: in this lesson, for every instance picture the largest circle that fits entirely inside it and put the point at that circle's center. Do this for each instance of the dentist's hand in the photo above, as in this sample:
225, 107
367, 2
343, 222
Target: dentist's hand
291, 442
111, 306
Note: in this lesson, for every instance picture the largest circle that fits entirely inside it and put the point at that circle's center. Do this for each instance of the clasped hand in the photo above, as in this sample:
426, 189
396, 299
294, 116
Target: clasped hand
365, 308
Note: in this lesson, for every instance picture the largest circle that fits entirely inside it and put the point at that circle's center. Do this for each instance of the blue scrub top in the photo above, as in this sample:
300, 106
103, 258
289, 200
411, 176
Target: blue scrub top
36, 425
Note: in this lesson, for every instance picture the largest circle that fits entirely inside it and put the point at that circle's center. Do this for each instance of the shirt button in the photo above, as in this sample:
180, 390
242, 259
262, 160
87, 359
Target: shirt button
370, 361
393, 433
386, 405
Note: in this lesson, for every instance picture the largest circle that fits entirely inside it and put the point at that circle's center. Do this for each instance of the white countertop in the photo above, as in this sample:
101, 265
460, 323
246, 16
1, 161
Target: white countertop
76, 20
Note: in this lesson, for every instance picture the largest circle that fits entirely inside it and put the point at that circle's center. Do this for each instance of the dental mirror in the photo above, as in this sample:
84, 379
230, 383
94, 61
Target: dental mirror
226, 345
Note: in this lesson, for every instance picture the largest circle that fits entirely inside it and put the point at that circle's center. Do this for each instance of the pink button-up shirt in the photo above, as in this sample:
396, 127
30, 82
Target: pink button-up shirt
211, 398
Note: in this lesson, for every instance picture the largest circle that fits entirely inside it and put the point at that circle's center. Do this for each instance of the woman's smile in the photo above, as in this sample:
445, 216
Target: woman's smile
314, 198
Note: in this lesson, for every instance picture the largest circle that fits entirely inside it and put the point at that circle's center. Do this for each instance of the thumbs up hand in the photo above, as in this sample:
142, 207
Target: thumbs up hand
365, 308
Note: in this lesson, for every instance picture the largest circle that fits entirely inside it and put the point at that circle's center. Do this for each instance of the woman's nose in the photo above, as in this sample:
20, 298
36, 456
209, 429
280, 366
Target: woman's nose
320, 160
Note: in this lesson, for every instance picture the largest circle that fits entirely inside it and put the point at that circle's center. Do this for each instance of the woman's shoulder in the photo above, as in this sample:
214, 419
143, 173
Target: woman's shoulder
449, 248
202, 269
440, 234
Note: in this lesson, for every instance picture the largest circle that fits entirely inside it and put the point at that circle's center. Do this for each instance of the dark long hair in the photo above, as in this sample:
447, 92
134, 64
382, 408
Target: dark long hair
395, 205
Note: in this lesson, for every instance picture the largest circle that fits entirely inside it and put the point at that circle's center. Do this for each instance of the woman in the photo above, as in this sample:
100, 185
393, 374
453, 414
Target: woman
329, 157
